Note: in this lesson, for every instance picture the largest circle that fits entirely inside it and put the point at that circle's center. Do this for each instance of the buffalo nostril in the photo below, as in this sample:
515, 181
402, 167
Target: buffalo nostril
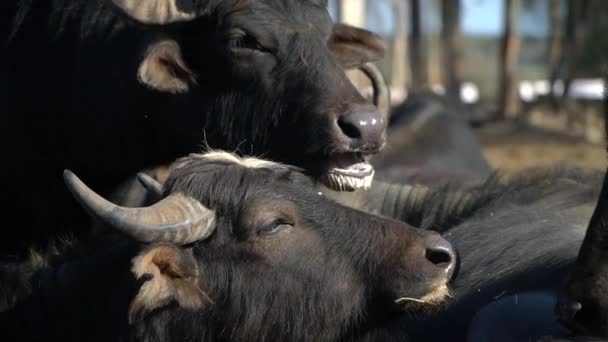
362, 128
349, 129
439, 256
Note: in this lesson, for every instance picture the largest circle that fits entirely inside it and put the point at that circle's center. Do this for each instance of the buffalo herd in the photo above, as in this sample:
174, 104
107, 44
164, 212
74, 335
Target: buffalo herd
267, 226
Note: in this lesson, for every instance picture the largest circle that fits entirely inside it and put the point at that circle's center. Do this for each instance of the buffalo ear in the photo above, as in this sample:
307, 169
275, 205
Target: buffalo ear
354, 47
164, 69
157, 12
170, 274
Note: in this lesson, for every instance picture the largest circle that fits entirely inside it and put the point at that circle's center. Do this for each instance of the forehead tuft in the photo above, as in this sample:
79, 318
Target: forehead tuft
223, 157
248, 162
224, 181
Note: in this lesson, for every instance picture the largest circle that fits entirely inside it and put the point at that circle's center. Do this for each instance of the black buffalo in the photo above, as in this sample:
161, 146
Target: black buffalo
516, 237
430, 141
582, 304
237, 250
108, 88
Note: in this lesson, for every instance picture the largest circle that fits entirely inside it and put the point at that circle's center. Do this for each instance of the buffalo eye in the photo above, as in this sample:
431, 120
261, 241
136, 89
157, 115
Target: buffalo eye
240, 41
277, 226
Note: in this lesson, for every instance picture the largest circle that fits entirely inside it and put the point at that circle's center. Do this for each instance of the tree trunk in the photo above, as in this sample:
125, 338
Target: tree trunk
576, 25
554, 46
451, 37
509, 103
352, 12
417, 49
400, 58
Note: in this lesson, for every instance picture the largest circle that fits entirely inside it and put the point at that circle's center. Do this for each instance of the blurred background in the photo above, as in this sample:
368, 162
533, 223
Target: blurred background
526, 75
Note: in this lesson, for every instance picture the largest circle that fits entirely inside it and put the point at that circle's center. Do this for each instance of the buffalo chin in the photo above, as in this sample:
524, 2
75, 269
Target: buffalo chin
434, 298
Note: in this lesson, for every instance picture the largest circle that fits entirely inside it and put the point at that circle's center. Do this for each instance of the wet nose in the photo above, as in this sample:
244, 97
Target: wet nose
362, 128
441, 254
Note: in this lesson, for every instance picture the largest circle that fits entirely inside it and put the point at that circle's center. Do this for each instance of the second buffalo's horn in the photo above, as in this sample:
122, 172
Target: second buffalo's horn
176, 218
381, 96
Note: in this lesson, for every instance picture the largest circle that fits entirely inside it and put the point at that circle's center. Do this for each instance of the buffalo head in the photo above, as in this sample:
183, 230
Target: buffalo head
249, 251
269, 77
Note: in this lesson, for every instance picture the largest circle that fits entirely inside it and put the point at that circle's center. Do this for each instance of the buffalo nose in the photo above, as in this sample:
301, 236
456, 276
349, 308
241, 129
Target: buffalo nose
441, 254
363, 128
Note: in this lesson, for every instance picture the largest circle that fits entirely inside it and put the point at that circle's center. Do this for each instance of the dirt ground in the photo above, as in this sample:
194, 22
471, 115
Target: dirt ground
511, 147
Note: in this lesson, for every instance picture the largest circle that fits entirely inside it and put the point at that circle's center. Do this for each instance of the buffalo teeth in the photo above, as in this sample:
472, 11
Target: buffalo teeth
342, 182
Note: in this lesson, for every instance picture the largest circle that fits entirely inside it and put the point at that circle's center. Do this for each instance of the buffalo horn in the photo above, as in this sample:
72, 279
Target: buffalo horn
152, 186
157, 12
176, 218
381, 97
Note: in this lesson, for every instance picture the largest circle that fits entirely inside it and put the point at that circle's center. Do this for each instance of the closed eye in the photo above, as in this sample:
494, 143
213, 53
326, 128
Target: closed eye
276, 227
239, 40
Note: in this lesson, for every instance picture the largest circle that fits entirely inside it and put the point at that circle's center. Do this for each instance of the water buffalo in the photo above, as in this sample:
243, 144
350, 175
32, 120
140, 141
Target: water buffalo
514, 237
108, 88
582, 303
430, 141
238, 249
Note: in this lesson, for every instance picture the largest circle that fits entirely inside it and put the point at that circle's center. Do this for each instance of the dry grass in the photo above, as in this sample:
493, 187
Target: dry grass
512, 147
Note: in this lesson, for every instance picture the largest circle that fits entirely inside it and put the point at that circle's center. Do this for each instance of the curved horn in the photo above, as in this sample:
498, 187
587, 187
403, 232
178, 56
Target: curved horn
176, 218
382, 96
157, 12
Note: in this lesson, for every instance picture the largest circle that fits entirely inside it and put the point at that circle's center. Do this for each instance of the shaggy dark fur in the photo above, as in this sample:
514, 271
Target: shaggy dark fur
512, 236
334, 276
522, 237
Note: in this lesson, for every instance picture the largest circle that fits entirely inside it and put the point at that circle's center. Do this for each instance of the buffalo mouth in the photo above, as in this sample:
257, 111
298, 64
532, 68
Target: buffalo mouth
349, 171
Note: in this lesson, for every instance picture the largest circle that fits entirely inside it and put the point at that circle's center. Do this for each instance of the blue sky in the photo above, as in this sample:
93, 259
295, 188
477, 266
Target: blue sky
485, 17
482, 16
479, 17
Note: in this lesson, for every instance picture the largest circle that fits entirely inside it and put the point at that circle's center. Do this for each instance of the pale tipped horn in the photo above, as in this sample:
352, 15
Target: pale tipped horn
157, 12
381, 96
177, 218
